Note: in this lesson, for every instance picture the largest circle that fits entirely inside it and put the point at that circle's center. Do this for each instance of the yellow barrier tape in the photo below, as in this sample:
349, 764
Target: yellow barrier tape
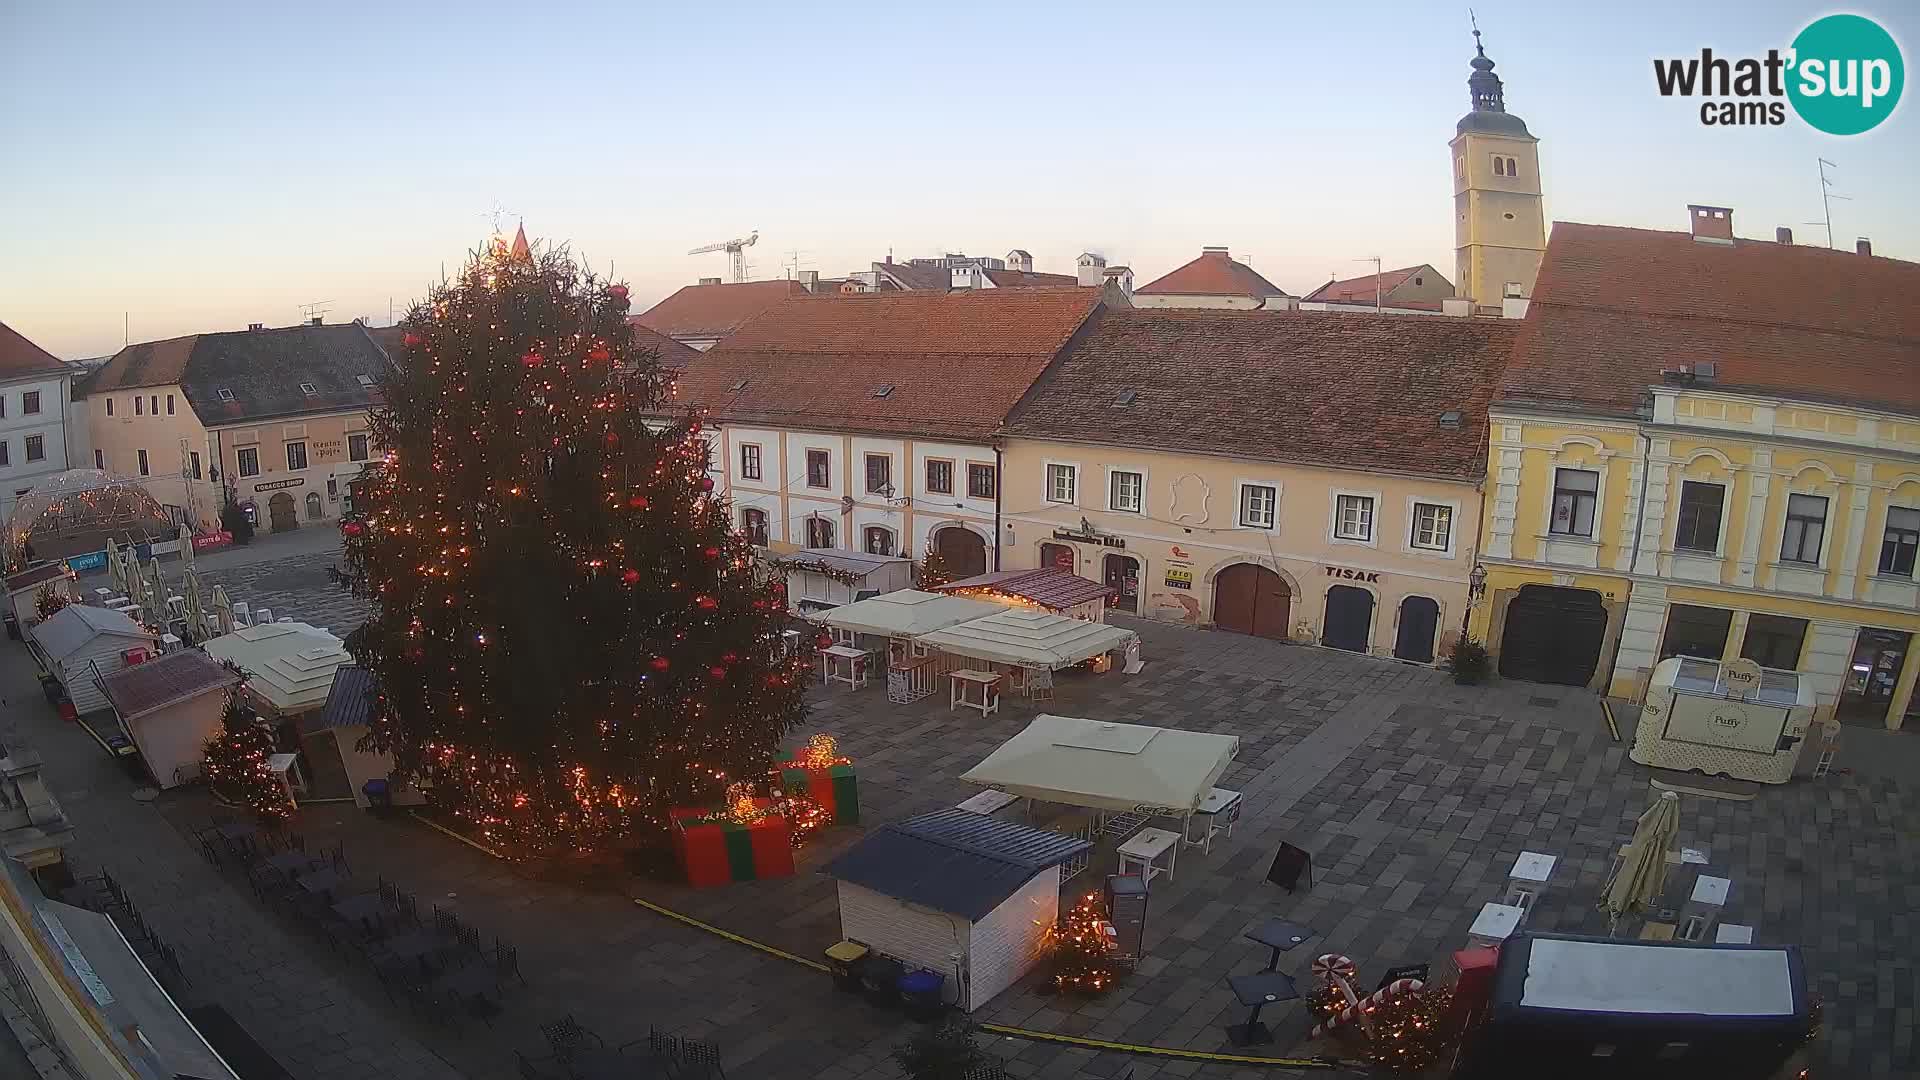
1014, 1032
467, 840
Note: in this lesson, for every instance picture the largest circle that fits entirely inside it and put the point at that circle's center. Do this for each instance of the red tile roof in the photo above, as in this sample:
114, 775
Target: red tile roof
1362, 288
673, 354
1337, 389
1049, 585
714, 311
956, 361
18, 356
936, 278
149, 363
1214, 273
1615, 306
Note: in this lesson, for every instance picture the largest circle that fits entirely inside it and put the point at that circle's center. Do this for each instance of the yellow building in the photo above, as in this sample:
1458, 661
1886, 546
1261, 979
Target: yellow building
1304, 476
1500, 226
1709, 446
278, 417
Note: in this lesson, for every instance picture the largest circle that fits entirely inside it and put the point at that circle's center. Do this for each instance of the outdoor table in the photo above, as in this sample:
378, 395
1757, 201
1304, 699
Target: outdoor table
1528, 877
289, 862
1728, 933
360, 909
468, 983
987, 681
1258, 990
417, 945
988, 801
594, 1063
1280, 936
855, 661
1494, 925
1221, 811
1139, 855
321, 882
238, 836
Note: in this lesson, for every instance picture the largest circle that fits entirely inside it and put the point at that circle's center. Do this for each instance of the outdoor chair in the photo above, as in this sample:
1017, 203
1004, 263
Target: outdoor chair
506, 961
297, 842
337, 857
686, 1058
208, 849
408, 909
469, 940
445, 923
565, 1037
389, 893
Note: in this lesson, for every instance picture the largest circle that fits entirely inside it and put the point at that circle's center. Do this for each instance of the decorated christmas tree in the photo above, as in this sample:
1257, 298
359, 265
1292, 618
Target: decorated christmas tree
567, 633
236, 763
934, 571
1081, 946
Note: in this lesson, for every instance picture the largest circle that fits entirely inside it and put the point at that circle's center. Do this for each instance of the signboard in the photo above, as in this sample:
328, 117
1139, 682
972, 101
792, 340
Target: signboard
1370, 577
276, 485
92, 560
1741, 678
1089, 537
1735, 725
209, 541
1179, 578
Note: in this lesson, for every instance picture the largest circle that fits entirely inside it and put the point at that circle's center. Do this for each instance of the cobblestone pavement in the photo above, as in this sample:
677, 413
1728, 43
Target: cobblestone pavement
1414, 796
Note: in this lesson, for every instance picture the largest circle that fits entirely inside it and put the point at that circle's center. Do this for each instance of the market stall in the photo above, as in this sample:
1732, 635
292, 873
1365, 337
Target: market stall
290, 668
1048, 588
955, 893
823, 578
902, 618
1119, 768
1733, 719
1029, 640
169, 708
80, 643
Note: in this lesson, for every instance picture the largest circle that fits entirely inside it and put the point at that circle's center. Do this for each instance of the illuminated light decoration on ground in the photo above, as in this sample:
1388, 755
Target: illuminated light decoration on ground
1080, 945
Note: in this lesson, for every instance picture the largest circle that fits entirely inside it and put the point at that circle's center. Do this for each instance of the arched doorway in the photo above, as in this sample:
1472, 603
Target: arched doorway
1249, 599
1059, 556
1553, 635
962, 549
313, 506
1122, 575
280, 512
1419, 618
1349, 619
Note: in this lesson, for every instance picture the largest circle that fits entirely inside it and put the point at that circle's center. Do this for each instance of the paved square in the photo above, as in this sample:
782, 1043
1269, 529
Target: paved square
1413, 795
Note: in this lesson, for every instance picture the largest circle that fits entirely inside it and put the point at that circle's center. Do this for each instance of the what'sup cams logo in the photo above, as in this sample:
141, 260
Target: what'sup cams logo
1843, 75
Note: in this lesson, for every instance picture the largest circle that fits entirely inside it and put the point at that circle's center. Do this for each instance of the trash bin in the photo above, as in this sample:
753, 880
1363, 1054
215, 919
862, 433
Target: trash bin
845, 960
880, 976
920, 994
13, 626
379, 796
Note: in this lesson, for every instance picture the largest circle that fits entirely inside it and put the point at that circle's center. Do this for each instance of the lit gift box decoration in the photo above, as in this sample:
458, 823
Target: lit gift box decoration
821, 775
750, 840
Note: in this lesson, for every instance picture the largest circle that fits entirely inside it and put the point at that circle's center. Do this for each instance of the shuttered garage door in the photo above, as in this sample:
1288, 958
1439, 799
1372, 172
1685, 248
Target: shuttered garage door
1553, 635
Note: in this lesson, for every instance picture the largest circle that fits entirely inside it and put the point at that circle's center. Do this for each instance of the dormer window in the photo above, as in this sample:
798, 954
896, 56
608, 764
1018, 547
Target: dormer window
365, 381
738, 386
309, 389
1125, 398
224, 394
883, 390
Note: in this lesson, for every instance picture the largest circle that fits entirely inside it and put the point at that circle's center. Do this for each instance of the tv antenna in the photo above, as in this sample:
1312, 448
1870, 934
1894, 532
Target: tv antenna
312, 311
1826, 199
1375, 260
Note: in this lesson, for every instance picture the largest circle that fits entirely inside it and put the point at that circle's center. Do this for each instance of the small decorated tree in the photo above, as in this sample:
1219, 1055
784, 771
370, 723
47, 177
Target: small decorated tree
236, 765
47, 601
945, 1051
1081, 946
233, 519
934, 570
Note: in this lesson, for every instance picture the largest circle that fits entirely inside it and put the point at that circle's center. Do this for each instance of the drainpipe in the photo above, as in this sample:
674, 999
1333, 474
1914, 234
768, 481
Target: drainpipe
1479, 535
999, 484
1633, 560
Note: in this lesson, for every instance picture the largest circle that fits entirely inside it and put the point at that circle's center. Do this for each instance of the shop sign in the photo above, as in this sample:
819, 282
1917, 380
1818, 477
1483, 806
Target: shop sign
92, 560
1369, 577
209, 541
276, 485
1088, 536
1179, 578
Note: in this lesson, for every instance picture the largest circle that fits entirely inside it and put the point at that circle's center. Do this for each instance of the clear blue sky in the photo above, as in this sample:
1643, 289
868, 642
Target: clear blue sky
202, 166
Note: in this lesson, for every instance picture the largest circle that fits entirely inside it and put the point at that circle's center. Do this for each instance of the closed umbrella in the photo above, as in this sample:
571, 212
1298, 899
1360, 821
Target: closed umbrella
158, 583
222, 610
196, 611
116, 575
1641, 876
186, 548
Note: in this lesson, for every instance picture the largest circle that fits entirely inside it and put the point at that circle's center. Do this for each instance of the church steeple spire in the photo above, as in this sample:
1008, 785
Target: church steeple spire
1487, 92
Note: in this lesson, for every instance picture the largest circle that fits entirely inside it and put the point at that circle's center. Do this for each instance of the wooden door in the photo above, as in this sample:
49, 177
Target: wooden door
1249, 599
1553, 635
1419, 618
1123, 577
280, 510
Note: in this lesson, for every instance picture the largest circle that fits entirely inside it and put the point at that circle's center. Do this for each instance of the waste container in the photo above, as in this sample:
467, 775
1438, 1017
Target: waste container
880, 976
379, 796
920, 994
845, 959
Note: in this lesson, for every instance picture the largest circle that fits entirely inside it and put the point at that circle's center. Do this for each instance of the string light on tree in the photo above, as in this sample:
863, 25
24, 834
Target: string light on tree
1081, 945
236, 761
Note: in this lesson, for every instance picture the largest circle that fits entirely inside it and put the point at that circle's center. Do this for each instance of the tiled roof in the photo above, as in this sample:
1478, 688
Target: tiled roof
18, 356
1049, 585
77, 624
1362, 288
170, 679
392, 341
35, 576
935, 278
1214, 273
714, 311
673, 354
1021, 279
953, 860
956, 361
262, 369
349, 701
1339, 389
1615, 306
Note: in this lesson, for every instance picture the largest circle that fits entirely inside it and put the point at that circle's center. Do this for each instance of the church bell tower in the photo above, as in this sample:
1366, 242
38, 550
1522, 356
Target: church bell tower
1500, 228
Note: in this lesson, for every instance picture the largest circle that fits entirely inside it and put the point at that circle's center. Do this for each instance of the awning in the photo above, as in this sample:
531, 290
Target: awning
907, 613
1029, 638
1048, 586
1103, 766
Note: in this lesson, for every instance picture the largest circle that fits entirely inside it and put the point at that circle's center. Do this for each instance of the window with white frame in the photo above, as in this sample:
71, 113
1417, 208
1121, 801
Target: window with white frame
1575, 494
4, 452
1063, 483
880, 474
141, 456
819, 474
1126, 491
1901, 542
36, 447
1806, 528
1432, 526
1699, 525
819, 532
1353, 517
1259, 505
879, 540
749, 461
249, 460
30, 403
982, 480
357, 447
297, 455
940, 476
753, 524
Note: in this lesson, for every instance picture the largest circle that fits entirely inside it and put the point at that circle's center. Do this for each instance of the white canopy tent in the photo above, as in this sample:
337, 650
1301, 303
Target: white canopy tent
1028, 638
1104, 766
908, 613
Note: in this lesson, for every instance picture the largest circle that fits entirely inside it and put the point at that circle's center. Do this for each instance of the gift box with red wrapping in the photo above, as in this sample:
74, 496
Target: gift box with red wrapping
834, 788
715, 850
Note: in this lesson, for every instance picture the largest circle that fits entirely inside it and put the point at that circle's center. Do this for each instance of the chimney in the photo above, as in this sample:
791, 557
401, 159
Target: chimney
709, 281
1220, 251
1712, 224
1863, 246
810, 280
1783, 235
256, 326
315, 321
1456, 306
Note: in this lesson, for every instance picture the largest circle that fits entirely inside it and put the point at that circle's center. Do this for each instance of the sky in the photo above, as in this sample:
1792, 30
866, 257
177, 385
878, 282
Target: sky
185, 167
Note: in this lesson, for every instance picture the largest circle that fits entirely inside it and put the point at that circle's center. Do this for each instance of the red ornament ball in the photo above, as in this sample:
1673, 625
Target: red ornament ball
532, 359
638, 502
613, 438
711, 552
411, 339
598, 354
660, 663
353, 528
618, 292
717, 671
729, 658
706, 483
706, 603
631, 577
823, 641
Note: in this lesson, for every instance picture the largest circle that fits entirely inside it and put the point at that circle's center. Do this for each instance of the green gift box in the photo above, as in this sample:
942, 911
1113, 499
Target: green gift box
835, 788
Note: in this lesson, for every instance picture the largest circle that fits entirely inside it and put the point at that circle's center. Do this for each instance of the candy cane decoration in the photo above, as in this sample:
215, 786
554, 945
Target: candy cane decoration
1328, 965
1393, 989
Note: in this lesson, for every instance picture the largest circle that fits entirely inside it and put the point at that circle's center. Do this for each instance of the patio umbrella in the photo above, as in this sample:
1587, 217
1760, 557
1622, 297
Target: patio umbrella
186, 548
1641, 876
158, 583
116, 575
196, 612
222, 610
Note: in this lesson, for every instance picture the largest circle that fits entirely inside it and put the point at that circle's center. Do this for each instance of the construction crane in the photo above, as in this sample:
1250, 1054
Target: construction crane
737, 249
